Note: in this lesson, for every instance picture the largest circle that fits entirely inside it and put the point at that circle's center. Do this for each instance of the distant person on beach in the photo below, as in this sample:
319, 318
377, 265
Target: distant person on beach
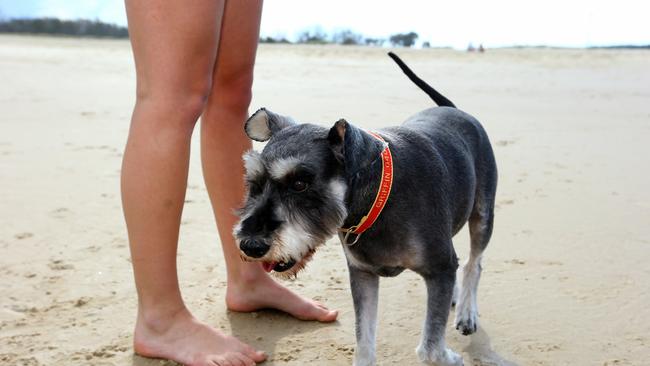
192, 59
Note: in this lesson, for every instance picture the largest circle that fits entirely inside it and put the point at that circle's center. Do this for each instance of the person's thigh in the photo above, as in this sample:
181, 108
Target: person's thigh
233, 73
175, 45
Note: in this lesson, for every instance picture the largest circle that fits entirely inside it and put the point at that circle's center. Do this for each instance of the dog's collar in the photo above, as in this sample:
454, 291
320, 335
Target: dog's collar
380, 200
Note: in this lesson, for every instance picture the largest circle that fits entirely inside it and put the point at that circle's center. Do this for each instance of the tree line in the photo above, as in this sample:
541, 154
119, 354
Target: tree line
80, 28
96, 28
347, 37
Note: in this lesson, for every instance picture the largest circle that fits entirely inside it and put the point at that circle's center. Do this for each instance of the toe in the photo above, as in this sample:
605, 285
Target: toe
245, 361
312, 311
235, 360
221, 361
321, 313
329, 316
250, 353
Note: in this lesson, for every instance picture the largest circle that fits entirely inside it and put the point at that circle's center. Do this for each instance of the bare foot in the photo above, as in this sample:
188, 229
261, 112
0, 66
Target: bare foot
260, 291
184, 339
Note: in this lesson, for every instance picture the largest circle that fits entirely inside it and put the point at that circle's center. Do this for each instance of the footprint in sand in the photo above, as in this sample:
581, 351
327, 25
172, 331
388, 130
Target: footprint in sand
59, 265
552, 263
14, 359
505, 202
60, 213
504, 143
81, 301
516, 261
21, 236
5, 152
93, 248
109, 351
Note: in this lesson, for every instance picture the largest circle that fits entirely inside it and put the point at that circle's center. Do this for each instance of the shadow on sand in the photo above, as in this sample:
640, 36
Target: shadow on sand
481, 352
262, 330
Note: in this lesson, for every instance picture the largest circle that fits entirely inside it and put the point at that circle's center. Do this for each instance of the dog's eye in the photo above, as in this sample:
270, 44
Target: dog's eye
299, 186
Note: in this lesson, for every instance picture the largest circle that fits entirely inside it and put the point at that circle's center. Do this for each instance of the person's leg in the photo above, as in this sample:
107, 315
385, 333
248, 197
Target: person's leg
222, 144
174, 45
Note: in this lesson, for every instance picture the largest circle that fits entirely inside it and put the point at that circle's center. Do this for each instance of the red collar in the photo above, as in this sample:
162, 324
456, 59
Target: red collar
380, 200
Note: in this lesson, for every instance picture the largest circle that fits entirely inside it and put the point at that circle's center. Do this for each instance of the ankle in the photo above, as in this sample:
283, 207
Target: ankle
246, 275
160, 319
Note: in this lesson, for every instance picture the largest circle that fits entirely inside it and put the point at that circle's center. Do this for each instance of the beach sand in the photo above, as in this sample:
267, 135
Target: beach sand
566, 279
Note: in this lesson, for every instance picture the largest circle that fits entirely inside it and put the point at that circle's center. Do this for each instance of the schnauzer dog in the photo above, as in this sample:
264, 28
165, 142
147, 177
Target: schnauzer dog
396, 197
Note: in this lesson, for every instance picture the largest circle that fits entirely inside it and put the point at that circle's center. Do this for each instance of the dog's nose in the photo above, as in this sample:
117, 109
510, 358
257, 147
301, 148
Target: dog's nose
254, 248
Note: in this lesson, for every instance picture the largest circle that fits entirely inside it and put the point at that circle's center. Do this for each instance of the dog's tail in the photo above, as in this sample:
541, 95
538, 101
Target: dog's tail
440, 99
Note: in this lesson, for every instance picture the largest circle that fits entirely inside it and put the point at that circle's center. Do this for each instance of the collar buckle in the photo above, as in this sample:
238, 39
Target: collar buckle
346, 236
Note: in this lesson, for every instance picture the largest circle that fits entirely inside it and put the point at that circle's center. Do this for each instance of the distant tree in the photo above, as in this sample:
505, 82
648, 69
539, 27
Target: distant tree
426, 44
315, 35
92, 28
374, 41
403, 39
274, 40
347, 37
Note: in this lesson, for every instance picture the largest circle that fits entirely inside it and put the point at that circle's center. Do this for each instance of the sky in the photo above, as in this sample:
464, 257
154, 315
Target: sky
456, 23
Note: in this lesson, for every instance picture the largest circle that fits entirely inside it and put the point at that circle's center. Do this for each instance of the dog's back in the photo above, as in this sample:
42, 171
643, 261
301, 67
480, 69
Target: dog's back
459, 144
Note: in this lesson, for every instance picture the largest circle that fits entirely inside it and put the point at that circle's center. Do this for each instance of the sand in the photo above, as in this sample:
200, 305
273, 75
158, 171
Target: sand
566, 278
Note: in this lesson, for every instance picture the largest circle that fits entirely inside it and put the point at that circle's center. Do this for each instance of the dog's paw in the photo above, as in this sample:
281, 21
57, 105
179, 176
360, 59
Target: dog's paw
363, 362
439, 357
364, 357
466, 321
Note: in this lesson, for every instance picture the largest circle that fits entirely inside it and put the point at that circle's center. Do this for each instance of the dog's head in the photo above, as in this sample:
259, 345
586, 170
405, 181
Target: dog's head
296, 193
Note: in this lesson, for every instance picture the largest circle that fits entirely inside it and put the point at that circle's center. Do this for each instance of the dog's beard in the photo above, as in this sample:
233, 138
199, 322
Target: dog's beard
276, 257
292, 273
290, 244
293, 243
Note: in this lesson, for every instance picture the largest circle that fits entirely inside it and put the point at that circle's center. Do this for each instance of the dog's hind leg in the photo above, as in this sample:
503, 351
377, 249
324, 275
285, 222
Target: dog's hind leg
433, 349
365, 292
480, 229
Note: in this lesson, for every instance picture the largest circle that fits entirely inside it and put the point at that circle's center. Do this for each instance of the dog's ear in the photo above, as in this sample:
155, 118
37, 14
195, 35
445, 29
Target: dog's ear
264, 123
336, 138
352, 146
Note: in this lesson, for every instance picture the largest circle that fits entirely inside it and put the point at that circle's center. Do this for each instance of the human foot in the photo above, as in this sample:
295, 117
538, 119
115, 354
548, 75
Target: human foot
184, 339
260, 291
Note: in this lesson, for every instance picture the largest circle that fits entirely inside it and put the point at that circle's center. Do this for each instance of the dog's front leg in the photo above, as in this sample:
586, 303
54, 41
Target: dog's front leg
432, 348
365, 287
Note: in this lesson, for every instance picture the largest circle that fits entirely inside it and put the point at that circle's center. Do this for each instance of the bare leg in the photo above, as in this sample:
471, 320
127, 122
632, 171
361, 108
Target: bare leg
167, 36
222, 144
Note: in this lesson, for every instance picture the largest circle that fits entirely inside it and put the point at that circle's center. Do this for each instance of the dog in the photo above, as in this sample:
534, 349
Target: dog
410, 188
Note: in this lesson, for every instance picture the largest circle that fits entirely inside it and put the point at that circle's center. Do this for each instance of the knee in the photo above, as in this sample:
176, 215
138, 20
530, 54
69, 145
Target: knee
174, 106
233, 88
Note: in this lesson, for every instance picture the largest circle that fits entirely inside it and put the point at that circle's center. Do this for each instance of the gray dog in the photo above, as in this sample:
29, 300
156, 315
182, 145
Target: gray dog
395, 197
